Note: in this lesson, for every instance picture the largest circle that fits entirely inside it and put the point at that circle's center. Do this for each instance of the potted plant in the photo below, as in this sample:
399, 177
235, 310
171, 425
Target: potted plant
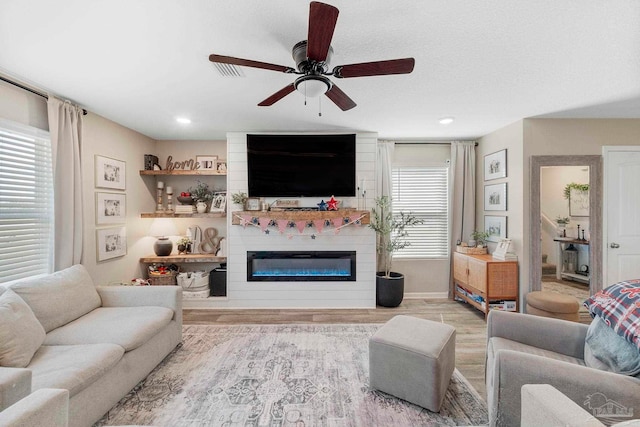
562, 222
480, 238
391, 236
239, 198
202, 195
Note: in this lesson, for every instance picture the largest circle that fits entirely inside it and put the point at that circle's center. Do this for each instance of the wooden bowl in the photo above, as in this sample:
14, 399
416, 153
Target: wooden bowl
185, 200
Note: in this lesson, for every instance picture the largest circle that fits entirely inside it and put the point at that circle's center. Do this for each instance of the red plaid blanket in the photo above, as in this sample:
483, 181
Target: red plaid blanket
619, 307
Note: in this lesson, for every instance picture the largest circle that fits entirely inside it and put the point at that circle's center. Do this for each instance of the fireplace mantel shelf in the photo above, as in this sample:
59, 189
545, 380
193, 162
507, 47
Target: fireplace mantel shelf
301, 215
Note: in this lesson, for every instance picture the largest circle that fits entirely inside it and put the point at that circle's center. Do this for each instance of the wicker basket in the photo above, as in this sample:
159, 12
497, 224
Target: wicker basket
163, 279
471, 251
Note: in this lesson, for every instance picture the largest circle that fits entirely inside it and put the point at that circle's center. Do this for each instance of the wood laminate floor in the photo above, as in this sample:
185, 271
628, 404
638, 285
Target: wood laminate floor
471, 329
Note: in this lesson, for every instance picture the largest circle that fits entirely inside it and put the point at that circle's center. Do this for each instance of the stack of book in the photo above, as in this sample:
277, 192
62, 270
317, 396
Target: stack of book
502, 251
185, 209
507, 256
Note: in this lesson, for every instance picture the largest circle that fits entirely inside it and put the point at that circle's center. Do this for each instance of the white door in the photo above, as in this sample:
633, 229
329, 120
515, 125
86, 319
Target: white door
621, 234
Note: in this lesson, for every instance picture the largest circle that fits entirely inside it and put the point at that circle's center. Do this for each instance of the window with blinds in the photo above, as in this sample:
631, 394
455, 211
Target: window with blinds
423, 191
26, 202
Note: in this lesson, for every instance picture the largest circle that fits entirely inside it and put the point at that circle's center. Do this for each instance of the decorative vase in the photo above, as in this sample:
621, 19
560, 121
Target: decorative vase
389, 290
163, 246
201, 207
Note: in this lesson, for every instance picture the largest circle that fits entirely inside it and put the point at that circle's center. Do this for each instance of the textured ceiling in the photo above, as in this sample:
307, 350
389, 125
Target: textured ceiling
487, 63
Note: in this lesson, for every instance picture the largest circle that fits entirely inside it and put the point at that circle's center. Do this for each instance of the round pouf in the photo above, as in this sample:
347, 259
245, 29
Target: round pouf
553, 304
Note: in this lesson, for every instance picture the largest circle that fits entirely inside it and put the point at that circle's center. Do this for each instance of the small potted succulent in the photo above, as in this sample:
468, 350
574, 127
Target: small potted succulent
239, 198
184, 245
562, 225
480, 238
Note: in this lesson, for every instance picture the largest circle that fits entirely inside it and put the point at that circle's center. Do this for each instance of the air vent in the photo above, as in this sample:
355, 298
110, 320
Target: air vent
228, 70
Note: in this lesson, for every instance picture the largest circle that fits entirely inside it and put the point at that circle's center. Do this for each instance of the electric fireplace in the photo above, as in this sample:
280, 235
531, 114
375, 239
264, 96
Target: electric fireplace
301, 266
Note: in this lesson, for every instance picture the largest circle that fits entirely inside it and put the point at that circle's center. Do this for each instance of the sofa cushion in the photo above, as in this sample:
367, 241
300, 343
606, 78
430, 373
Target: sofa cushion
72, 367
129, 327
20, 332
608, 351
498, 343
57, 299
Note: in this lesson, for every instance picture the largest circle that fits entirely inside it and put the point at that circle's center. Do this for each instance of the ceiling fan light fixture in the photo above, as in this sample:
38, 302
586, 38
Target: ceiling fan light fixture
312, 86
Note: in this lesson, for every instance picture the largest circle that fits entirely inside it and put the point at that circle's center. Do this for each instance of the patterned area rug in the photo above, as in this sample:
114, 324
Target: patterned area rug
579, 292
279, 375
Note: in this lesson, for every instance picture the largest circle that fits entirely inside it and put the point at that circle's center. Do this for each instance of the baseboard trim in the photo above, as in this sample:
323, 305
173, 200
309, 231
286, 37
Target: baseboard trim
426, 295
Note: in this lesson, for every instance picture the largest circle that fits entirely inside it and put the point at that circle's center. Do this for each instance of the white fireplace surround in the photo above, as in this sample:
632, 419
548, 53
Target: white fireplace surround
360, 293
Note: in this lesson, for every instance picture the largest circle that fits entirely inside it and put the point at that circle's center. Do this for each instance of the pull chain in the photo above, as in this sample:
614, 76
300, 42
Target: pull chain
320, 106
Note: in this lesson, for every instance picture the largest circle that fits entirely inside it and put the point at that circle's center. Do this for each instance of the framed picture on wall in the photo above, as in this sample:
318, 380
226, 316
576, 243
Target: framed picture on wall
110, 173
496, 227
111, 208
495, 165
111, 243
495, 197
578, 202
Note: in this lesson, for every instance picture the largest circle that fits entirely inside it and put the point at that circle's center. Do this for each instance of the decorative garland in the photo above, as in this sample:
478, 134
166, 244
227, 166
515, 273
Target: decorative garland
573, 186
283, 224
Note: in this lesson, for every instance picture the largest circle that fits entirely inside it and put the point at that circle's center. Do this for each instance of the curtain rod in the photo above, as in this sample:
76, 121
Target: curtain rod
35, 92
426, 142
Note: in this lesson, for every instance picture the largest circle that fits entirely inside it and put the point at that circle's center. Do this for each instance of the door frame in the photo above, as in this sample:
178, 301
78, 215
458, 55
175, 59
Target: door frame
606, 150
595, 216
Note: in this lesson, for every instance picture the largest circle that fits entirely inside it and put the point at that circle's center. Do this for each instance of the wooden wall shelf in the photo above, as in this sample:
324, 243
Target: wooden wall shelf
181, 172
189, 258
302, 215
175, 215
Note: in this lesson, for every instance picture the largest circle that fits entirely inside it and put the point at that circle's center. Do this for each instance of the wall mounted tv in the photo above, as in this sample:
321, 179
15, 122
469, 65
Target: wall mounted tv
301, 165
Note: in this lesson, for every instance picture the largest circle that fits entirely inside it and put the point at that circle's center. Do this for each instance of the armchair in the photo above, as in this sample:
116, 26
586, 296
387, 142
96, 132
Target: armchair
525, 349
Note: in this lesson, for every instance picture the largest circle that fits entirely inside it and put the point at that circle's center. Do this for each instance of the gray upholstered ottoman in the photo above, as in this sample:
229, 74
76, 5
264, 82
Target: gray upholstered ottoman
413, 359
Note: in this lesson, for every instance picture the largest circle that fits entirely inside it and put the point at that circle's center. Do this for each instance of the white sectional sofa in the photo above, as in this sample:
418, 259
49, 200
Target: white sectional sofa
61, 332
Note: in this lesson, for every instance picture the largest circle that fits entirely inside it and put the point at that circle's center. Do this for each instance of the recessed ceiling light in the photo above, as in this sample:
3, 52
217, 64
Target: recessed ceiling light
183, 120
446, 120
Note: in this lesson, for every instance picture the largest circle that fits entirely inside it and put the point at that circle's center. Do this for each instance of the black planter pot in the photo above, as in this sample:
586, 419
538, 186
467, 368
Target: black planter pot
389, 290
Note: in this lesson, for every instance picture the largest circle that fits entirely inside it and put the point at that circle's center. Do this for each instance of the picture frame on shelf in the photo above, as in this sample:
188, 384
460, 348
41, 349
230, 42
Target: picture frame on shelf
219, 202
252, 204
496, 227
495, 197
495, 165
221, 166
111, 208
111, 243
578, 202
207, 162
110, 173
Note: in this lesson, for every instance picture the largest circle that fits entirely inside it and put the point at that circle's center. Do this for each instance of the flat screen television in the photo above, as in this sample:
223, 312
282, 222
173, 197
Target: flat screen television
301, 165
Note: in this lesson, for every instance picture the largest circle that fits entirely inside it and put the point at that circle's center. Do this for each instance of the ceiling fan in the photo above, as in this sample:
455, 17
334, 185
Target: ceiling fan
312, 58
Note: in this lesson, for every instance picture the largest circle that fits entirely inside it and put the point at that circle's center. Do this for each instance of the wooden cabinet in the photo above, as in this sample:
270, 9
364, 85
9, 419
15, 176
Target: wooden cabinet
482, 281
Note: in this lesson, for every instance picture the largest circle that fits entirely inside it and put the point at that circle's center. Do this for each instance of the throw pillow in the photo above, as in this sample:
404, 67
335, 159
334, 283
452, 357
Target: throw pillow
608, 351
619, 307
20, 332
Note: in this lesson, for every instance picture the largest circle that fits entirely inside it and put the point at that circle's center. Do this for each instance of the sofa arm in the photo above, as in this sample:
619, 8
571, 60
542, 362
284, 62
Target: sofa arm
15, 384
544, 405
44, 407
136, 296
589, 388
560, 336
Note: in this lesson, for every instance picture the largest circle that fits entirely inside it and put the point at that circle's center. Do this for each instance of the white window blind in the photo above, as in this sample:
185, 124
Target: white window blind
26, 202
423, 191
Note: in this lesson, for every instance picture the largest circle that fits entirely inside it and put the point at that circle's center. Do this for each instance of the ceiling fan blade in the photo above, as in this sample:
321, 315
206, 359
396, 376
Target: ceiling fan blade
249, 63
278, 96
376, 68
340, 98
322, 22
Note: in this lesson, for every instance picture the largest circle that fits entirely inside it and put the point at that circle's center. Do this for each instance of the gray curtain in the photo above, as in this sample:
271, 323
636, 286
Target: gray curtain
463, 194
384, 184
65, 129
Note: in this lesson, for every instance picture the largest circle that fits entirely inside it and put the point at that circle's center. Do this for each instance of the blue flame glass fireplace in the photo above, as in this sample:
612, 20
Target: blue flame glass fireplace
301, 266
